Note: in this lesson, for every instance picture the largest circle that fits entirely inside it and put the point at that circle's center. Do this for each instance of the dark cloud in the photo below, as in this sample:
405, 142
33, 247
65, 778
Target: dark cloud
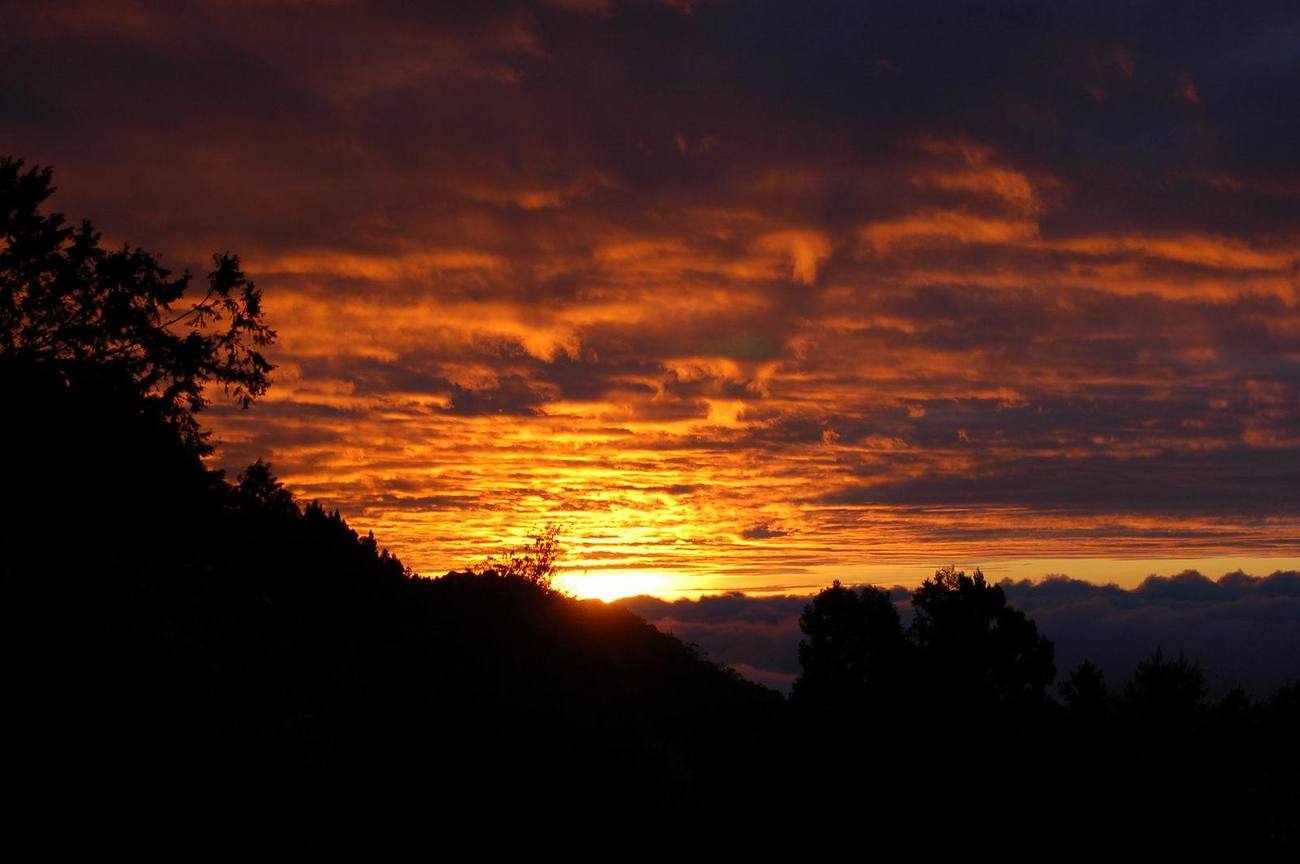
763, 531
758, 638
1240, 628
1242, 480
680, 489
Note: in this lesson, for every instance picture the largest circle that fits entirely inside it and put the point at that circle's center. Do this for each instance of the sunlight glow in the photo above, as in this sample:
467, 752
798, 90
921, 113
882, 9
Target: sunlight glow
608, 585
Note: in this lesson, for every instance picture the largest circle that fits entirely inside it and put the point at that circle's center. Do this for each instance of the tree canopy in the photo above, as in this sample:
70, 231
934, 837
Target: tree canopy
69, 303
537, 563
852, 648
965, 647
974, 644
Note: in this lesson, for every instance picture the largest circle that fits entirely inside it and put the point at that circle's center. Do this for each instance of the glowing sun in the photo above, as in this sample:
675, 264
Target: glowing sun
610, 585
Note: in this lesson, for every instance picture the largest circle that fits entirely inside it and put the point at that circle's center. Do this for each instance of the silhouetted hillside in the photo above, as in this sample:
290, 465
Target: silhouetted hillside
194, 640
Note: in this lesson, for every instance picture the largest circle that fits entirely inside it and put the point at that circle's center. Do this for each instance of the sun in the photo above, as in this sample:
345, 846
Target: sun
610, 585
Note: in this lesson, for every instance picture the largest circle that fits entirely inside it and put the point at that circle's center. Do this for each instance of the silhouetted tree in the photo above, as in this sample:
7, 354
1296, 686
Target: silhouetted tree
537, 563
259, 486
974, 647
1087, 698
1165, 693
852, 651
68, 303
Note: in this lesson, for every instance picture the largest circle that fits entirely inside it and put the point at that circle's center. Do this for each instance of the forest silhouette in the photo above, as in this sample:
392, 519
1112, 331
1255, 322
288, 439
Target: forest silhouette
206, 661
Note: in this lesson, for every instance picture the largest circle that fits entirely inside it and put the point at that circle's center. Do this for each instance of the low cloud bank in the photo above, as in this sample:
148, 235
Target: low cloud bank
1243, 630
756, 636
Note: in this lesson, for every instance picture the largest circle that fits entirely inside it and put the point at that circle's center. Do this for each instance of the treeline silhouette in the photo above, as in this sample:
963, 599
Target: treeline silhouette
960, 709
203, 662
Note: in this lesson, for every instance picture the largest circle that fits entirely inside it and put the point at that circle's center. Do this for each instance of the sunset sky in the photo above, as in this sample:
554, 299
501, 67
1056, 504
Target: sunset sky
747, 295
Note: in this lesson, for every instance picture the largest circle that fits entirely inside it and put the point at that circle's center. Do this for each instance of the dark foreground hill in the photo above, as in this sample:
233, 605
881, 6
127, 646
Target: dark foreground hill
216, 653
